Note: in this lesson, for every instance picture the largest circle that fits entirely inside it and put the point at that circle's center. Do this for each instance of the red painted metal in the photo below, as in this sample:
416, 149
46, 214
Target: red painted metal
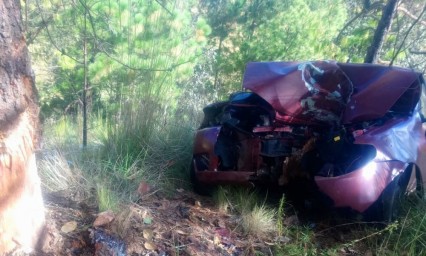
377, 105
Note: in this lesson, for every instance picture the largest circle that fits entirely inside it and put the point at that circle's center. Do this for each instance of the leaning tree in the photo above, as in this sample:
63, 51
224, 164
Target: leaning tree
21, 205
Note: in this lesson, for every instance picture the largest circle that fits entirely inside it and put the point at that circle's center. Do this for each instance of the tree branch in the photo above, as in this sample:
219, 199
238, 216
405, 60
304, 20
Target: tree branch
418, 52
51, 39
33, 36
365, 10
412, 16
406, 35
164, 7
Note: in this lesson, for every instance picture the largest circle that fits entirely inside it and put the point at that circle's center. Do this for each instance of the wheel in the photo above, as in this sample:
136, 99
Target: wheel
199, 187
393, 199
419, 192
389, 205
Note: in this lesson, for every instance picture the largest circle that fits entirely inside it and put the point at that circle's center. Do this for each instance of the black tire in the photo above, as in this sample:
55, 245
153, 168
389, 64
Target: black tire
390, 204
393, 199
199, 187
420, 191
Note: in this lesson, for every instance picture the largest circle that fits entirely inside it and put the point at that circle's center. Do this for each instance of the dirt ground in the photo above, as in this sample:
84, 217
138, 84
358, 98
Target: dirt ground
184, 224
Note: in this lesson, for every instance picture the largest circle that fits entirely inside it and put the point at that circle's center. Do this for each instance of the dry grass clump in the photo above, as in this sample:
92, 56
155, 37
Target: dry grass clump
57, 173
259, 221
253, 216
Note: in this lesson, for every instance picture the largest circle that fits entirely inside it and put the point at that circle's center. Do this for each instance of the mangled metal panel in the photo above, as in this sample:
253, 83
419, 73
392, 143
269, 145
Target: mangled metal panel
327, 92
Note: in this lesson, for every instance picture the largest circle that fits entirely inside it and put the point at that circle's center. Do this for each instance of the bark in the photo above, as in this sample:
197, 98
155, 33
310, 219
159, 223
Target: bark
381, 31
21, 205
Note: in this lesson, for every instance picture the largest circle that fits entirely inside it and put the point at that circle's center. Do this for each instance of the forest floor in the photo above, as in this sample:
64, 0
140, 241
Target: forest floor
181, 224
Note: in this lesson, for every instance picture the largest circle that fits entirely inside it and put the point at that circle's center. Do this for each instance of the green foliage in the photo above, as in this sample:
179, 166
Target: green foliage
141, 50
405, 36
303, 243
245, 31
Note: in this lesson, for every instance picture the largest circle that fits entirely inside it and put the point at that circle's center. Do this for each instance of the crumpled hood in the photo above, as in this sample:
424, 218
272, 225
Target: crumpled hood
332, 93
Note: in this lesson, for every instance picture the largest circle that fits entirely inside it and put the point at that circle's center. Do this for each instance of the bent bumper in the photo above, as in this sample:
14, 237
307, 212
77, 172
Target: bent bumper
361, 188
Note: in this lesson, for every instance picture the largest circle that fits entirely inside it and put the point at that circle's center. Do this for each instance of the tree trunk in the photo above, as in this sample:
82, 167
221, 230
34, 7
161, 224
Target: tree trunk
21, 205
216, 72
381, 31
85, 87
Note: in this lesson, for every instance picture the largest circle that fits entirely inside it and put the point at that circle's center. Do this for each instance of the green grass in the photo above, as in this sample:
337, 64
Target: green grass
280, 217
407, 236
123, 153
120, 154
107, 199
302, 243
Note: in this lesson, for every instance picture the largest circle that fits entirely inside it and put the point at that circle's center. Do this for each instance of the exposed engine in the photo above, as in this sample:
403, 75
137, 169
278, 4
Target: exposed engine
250, 135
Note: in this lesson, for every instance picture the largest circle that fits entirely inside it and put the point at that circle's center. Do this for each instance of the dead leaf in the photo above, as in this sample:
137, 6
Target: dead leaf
180, 190
76, 244
69, 227
150, 246
104, 218
219, 223
223, 232
216, 240
144, 188
192, 250
239, 243
165, 204
148, 234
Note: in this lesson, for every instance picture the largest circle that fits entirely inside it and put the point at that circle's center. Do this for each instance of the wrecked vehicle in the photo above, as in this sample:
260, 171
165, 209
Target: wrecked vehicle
347, 135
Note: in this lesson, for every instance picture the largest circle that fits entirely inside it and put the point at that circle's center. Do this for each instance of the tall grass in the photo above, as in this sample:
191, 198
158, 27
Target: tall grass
142, 138
407, 236
123, 150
